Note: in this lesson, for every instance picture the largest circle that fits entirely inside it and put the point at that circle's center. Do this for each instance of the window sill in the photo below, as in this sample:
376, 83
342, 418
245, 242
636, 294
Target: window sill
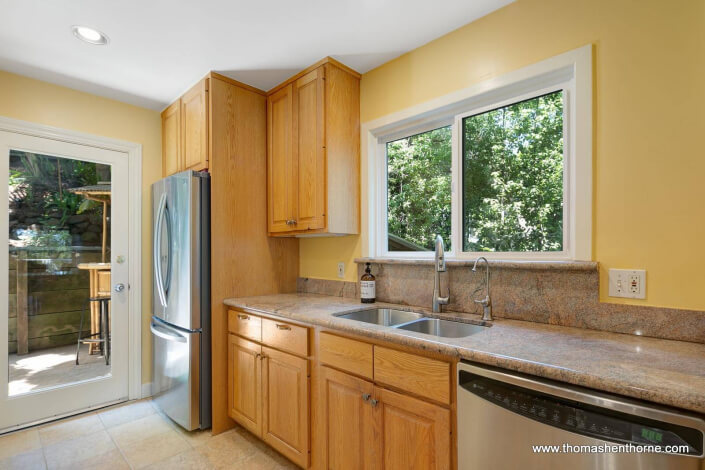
495, 263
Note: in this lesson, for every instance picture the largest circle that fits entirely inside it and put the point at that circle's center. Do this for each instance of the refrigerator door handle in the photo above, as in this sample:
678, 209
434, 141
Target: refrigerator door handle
166, 334
157, 248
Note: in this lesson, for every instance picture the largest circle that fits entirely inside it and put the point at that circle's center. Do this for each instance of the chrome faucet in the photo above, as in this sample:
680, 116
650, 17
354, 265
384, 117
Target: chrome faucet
486, 302
440, 267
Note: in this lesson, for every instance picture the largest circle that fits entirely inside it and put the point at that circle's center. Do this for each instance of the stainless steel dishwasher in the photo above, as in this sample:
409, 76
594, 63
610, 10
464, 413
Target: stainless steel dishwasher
502, 415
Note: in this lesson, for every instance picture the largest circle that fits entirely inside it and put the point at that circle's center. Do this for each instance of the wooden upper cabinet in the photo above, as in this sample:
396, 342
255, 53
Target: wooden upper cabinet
313, 130
194, 125
185, 132
171, 139
281, 168
309, 149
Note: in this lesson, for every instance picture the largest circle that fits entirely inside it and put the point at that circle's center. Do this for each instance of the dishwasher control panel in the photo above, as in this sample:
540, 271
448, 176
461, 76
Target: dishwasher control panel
582, 418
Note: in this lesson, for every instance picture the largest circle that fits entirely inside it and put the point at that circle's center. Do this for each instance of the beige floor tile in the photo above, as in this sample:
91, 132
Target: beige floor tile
136, 431
195, 438
69, 428
72, 453
32, 460
112, 460
260, 461
226, 449
126, 413
189, 460
19, 443
153, 449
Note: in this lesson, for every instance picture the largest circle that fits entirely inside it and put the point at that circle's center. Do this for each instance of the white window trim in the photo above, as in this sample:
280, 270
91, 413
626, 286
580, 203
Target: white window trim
571, 72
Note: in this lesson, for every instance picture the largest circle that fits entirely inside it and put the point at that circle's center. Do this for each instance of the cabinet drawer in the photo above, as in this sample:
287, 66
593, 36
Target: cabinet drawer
245, 324
285, 336
419, 375
346, 354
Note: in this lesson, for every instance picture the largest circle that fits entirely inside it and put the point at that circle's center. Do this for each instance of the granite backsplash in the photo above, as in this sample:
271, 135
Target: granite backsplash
564, 294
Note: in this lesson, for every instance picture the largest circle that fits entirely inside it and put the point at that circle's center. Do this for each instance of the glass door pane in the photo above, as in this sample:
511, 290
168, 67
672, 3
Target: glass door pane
59, 271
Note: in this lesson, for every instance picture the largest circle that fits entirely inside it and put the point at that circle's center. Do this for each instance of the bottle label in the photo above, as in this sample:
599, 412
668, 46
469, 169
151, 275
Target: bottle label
367, 289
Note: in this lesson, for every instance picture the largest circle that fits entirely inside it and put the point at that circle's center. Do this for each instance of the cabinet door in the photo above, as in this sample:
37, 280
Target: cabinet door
285, 385
194, 118
281, 166
309, 149
346, 420
245, 383
413, 434
171, 139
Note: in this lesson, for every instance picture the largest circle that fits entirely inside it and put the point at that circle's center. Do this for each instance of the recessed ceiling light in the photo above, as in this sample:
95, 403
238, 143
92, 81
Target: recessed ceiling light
90, 35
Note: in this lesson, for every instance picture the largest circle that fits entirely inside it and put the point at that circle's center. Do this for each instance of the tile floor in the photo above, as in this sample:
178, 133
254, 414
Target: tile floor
133, 435
54, 366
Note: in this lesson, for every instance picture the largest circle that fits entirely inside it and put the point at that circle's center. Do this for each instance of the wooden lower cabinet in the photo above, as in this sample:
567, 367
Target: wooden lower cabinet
346, 421
245, 383
412, 434
285, 385
362, 426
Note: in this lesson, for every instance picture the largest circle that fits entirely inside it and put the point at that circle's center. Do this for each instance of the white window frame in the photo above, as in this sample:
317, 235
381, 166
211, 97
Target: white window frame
570, 72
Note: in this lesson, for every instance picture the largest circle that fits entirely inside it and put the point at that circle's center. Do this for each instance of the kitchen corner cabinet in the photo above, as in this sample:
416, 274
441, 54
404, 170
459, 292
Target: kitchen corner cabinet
269, 382
185, 131
313, 152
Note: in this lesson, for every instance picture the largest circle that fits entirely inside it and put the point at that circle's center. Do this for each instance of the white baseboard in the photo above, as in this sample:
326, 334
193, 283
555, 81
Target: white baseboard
147, 390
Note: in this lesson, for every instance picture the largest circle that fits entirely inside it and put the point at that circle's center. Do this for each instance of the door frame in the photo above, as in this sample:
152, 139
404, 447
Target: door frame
134, 162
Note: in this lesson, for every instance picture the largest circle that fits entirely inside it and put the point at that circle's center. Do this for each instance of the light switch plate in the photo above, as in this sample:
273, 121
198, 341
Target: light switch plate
627, 283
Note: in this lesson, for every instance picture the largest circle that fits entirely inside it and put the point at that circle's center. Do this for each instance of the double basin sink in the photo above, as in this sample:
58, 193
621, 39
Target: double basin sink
412, 321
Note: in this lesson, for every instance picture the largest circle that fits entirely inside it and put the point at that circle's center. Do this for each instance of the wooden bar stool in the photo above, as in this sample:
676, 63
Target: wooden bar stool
102, 337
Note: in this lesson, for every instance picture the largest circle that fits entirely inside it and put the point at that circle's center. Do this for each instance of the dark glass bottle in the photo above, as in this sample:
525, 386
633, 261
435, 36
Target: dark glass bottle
367, 286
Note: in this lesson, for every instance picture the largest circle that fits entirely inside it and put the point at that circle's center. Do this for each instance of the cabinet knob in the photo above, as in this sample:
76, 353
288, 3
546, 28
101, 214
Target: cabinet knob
374, 402
291, 222
366, 397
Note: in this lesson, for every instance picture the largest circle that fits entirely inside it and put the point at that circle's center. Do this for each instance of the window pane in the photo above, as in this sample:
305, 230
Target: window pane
418, 190
513, 177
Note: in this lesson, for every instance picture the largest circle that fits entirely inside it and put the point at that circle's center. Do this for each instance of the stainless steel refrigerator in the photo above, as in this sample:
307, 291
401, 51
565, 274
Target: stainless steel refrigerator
180, 322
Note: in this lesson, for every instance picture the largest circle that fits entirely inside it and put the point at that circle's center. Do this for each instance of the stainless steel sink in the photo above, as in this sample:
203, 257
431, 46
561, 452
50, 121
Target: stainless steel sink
443, 328
382, 316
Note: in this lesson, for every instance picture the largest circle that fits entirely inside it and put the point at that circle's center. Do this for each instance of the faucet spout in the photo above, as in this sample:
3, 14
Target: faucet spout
486, 302
440, 266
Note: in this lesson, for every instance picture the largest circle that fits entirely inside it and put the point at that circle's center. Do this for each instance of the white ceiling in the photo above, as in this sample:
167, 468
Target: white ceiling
158, 48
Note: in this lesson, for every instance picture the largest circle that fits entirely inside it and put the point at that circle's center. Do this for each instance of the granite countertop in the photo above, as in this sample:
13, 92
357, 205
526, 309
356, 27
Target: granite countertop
661, 371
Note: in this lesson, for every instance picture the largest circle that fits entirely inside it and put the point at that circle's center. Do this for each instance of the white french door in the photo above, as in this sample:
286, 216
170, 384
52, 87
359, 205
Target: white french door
65, 230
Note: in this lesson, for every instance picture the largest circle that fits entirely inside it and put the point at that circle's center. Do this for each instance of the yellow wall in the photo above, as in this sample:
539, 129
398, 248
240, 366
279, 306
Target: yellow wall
40, 102
649, 91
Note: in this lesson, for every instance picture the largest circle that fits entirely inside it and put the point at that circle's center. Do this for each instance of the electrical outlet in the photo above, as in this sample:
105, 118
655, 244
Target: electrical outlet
628, 283
341, 270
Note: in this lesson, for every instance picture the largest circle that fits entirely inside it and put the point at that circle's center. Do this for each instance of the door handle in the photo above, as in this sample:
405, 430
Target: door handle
163, 333
119, 287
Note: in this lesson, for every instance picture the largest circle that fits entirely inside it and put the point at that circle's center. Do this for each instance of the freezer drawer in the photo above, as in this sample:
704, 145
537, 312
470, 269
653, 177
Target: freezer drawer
176, 386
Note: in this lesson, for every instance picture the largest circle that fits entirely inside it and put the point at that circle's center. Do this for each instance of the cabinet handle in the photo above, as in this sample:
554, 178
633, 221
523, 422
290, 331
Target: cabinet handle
291, 222
366, 397
374, 402
242, 316
262, 357
257, 355
282, 327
